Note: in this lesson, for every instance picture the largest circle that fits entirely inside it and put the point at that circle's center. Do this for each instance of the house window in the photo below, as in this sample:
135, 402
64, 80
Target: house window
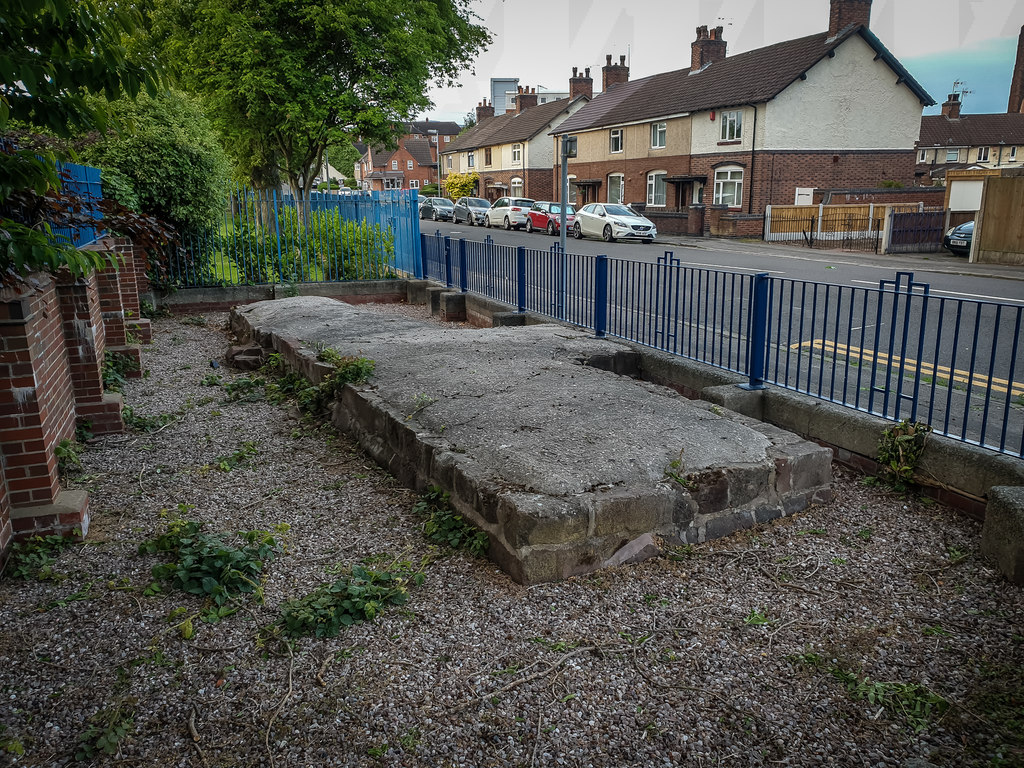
952, 155
573, 189
729, 187
982, 154
1013, 154
615, 140
516, 187
448, 162
414, 184
408, 165
517, 153
616, 188
487, 156
657, 135
447, 139
922, 156
470, 160
656, 188
394, 165
732, 126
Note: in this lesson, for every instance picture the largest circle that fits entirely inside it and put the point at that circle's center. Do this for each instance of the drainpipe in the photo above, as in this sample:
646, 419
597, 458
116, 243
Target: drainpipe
753, 149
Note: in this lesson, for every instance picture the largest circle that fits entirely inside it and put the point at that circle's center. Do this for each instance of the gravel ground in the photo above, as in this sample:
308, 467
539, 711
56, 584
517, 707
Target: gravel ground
728, 653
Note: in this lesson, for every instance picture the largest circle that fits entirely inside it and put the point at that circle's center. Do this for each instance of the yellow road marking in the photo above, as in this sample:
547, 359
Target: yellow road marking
927, 369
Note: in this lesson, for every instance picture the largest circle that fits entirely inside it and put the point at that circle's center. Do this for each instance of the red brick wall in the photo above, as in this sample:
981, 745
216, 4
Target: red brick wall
636, 171
37, 408
931, 196
6, 532
537, 183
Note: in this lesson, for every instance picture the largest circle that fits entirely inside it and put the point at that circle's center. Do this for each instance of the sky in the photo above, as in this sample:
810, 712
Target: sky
540, 41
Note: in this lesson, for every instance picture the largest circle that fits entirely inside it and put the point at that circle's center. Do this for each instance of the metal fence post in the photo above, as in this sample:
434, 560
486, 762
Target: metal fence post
463, 277
425, 274
447, 261
758, 336
601, 296
521, 278
277, 228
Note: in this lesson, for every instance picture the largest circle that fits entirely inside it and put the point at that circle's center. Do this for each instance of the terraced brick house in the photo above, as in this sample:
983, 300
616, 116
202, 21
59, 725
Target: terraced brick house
833, 110
513, 153
955, 141
410, 165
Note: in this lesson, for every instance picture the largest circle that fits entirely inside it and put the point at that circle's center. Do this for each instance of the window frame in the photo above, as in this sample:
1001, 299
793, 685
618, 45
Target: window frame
487, 157
732, 125
652, 189
448, 162
514, 183
621, 187
394, 165
659, 131
987, 153
613, 135
1013, 154
517, 153
955, 159
471, 160
414, 183
737, 193
922, 156
408, 165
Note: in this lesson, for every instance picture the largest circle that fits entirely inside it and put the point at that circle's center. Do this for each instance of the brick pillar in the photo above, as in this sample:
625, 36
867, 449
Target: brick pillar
85, 343
36, 411
108, 283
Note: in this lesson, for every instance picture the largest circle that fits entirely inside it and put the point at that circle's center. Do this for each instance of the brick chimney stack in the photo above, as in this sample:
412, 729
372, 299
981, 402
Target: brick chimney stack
484, 111
843, 13
707, 48
613, 74
1017, 83
526, 99
581, 85
951, 107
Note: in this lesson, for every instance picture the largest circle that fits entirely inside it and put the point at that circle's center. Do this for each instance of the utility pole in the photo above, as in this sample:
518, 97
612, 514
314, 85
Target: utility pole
568, 150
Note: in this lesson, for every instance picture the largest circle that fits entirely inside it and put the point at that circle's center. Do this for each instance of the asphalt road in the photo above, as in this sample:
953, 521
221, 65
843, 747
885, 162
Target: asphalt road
876, 352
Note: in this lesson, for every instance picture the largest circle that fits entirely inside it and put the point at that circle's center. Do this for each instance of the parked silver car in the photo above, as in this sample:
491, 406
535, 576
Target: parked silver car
471, 210
611, 222
508, 212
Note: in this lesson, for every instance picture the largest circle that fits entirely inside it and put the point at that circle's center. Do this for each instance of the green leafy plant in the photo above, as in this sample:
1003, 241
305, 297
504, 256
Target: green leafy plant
211, 564
10, 744
914, 703
68, 453
757, 618
211, 380
105, 732
246, 389
34, 558
360, 595
146, 423
116, 368
236, 458
445, 526
900, 449
674, 471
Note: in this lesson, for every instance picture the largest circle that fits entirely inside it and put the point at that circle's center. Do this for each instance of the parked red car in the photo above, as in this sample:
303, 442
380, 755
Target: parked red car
547, 217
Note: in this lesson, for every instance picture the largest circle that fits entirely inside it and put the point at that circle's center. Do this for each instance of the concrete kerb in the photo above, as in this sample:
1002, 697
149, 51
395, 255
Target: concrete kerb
1002, 537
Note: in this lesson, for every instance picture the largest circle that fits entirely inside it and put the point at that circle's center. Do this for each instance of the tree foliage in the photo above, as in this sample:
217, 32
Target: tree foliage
461, 184
170, 165
53, 55
286, 79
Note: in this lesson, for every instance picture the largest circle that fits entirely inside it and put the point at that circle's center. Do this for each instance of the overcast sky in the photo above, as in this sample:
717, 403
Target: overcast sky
540, 41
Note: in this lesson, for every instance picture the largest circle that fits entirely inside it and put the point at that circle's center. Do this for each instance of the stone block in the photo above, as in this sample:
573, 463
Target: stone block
749, 402
542, 521
453, 307
628, 513
416, 291
434, 298
1002, 535
507, 319
68, 513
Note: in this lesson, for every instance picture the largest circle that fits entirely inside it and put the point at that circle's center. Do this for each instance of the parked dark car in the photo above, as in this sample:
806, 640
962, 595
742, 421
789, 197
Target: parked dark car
471, 210
958, 239
546, 217
436, 208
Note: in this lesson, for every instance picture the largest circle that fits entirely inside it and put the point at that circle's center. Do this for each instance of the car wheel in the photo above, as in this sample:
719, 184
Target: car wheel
508, 224
487, 222
551, 228
469, 220
529, 226
577, 232
607, 235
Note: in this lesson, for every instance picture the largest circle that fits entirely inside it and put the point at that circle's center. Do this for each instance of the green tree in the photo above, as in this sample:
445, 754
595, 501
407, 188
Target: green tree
294, 77
461, 184
170, 165
53, 55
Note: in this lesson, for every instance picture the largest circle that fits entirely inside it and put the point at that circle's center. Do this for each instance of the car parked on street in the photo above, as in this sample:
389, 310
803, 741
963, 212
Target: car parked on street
958, 239
611, 222
471, 210
508, 212
436, 208
547, 217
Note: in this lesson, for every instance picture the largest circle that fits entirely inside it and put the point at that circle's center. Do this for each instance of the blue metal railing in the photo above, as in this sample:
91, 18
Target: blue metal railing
265, 237
895, 351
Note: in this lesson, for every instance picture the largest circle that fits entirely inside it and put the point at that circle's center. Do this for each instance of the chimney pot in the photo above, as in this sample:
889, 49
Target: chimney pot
622, 60
586, 72
575, 72
608, 59
709, 47
613, 74
581, 85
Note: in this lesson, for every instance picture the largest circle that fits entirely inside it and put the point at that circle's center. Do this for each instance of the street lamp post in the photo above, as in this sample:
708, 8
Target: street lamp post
568, 150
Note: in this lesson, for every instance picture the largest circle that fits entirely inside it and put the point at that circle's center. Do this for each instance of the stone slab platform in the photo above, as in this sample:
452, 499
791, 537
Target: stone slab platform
568, 466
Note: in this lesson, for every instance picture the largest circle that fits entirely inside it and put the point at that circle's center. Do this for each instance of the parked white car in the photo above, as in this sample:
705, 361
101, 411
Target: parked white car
508, 212
611, 222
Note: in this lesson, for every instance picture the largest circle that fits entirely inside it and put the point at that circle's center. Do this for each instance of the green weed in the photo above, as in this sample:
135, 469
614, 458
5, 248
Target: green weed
68, 453
116, 368
756, 618
237, 458
914, 703
445, 526
106, 729
35, 557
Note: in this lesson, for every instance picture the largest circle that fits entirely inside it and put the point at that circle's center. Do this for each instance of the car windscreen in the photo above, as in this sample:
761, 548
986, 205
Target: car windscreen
477, 202
619, 210
557, 209
441, 202
522, 202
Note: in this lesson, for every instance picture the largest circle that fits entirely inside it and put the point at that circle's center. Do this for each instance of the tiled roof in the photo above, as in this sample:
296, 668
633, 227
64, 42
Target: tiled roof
746, 78
443, 128
420, 151
972, 130
509, 127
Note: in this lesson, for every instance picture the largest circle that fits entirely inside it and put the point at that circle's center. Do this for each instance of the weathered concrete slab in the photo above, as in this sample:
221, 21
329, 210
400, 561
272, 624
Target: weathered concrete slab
1002, 537
563, 462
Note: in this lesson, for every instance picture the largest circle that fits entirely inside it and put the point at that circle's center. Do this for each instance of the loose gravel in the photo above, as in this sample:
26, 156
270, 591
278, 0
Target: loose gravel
748, 651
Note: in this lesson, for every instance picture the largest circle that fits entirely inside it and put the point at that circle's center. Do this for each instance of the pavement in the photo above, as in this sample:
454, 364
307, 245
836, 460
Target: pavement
568, 466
